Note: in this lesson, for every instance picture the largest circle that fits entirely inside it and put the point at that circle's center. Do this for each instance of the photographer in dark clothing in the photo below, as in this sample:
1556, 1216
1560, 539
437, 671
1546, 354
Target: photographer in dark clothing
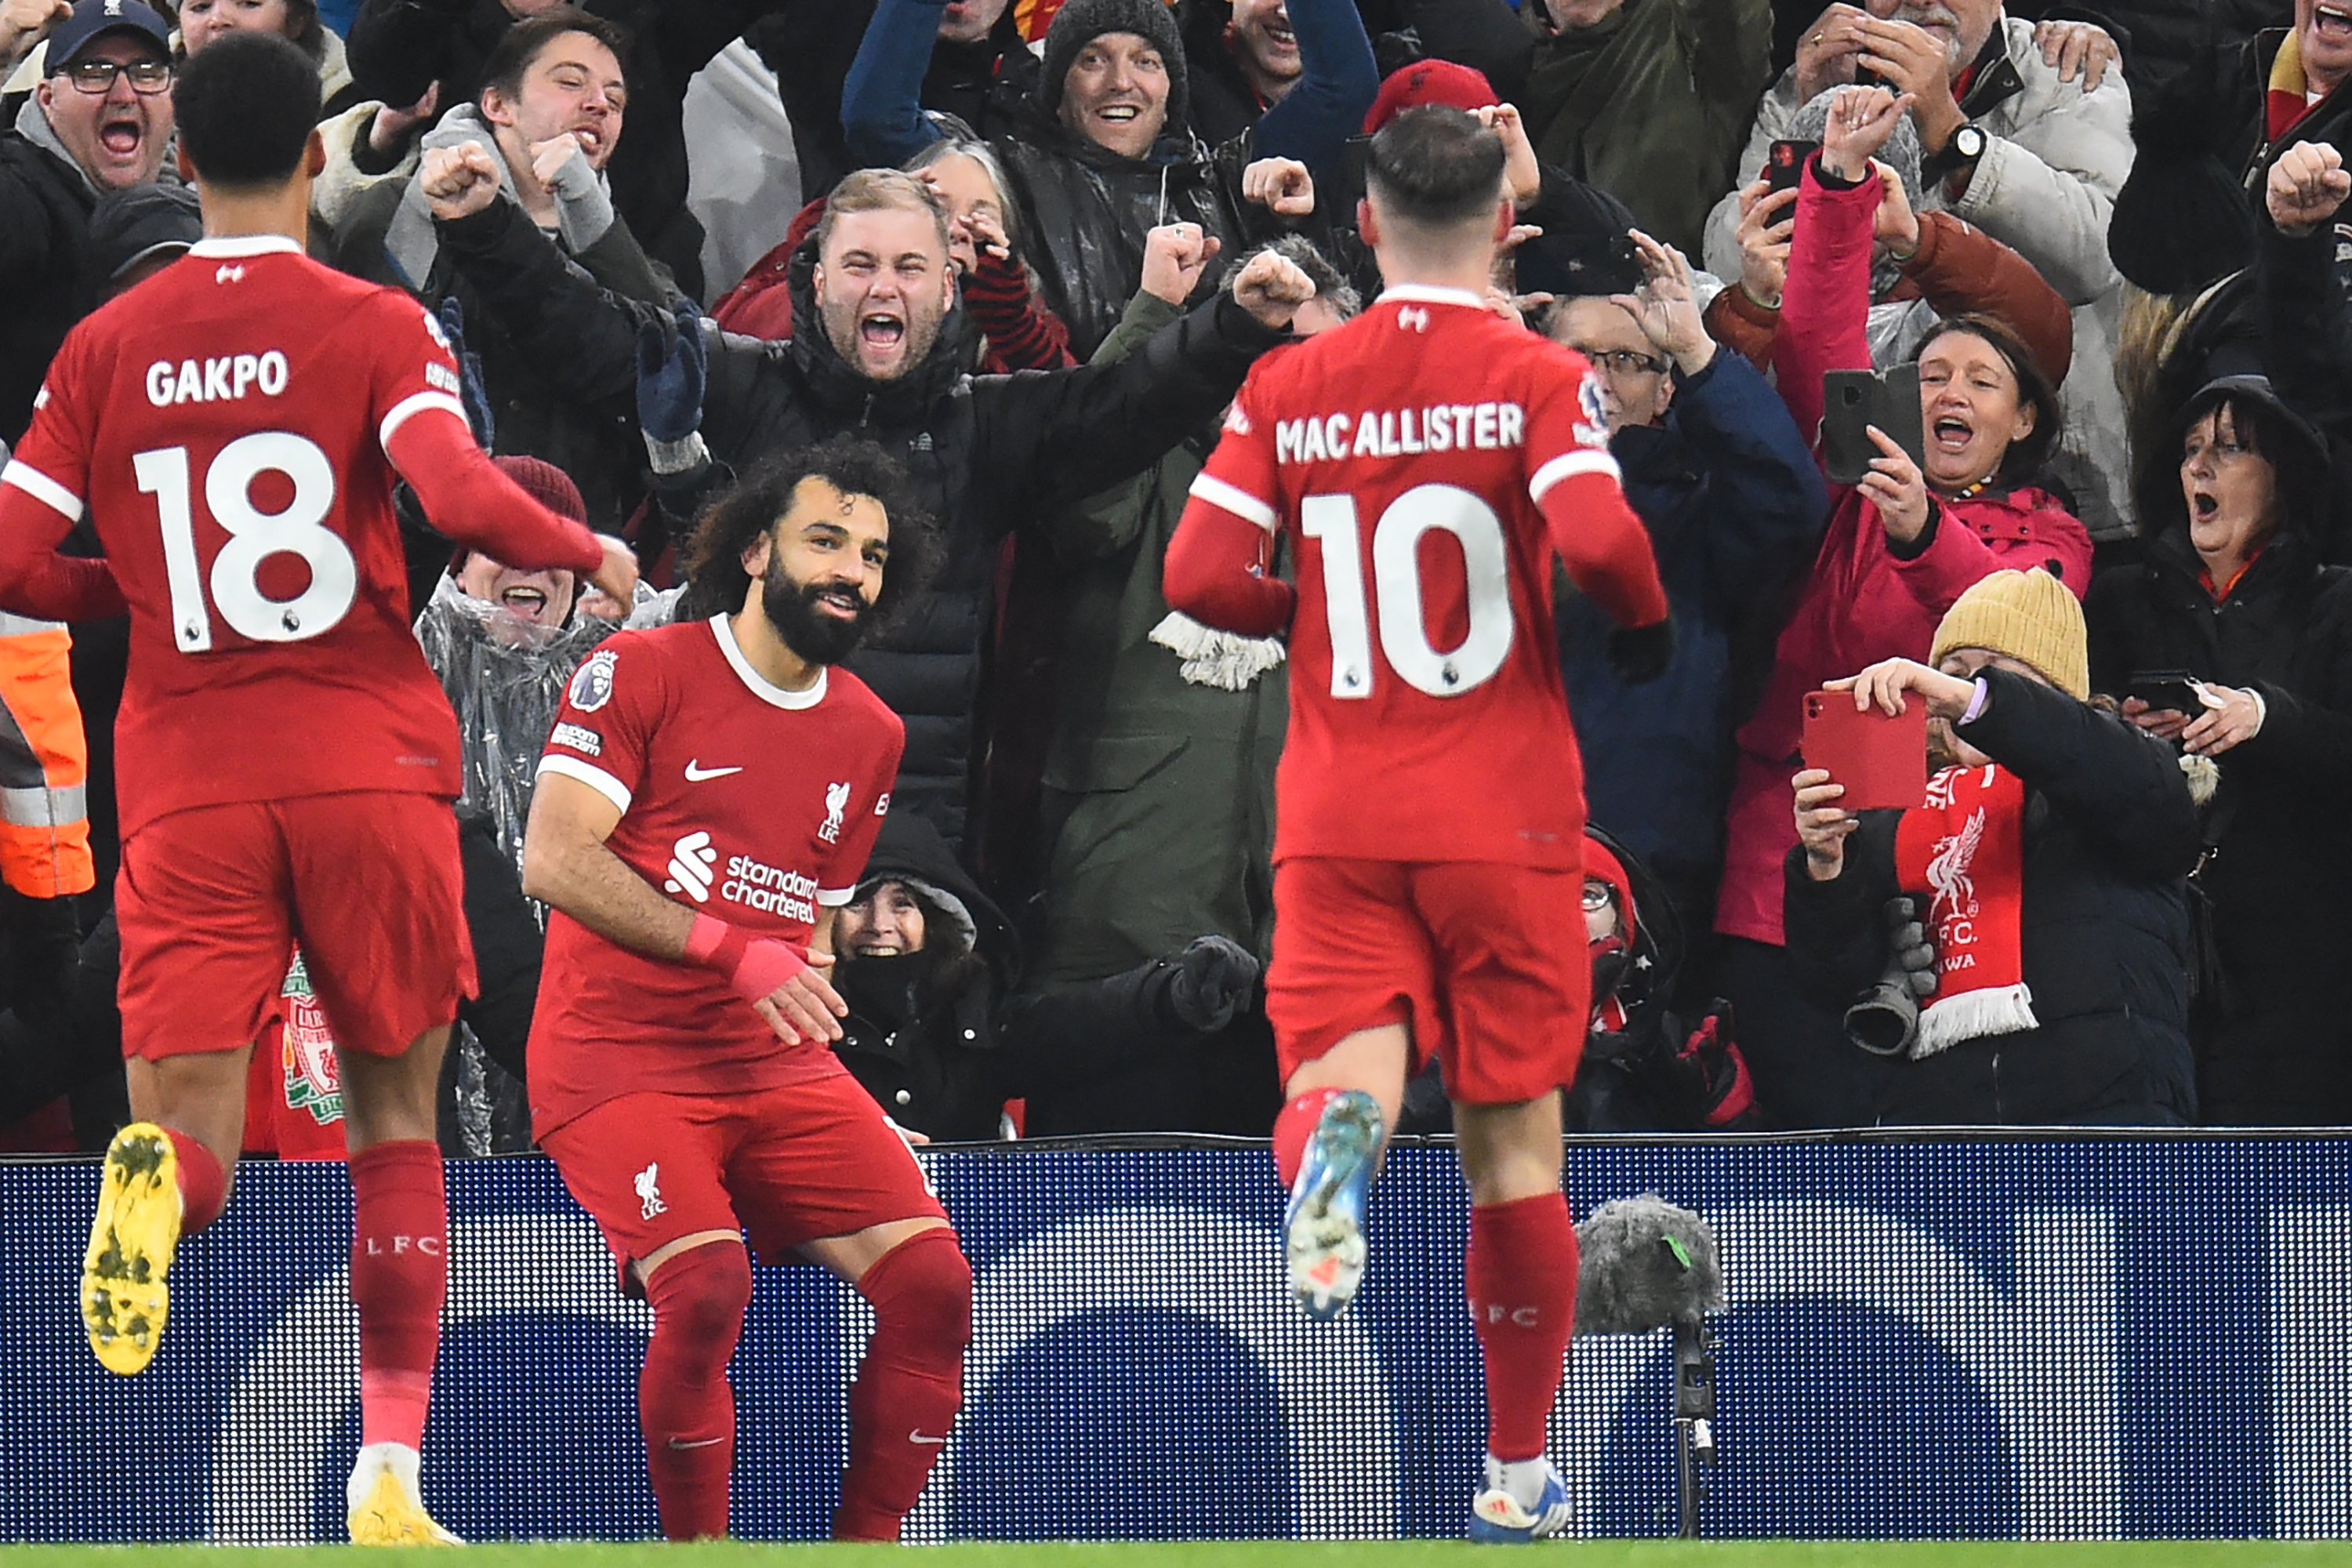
925, 961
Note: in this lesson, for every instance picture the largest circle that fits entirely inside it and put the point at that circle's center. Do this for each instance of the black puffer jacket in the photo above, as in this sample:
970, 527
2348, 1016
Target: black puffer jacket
1086, 210
929, 1034
2110, 837
45, 267
2274, 1040
987, 453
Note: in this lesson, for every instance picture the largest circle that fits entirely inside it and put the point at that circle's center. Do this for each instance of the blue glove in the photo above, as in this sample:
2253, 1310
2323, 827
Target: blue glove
670, 365
470, 390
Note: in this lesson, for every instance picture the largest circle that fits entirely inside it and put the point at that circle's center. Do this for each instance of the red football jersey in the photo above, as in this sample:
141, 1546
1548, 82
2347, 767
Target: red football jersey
225, 426
1406, 455
740, 800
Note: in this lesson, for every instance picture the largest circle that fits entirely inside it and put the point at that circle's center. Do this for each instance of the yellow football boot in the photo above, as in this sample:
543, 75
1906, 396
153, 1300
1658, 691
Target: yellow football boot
387, 1511
124, 1300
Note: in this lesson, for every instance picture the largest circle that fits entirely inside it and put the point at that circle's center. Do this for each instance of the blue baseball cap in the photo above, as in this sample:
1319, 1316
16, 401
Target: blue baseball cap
95, 19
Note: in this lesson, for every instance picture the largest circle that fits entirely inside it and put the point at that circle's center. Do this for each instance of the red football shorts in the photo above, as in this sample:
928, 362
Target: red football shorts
212, 900
798, 1163
1486, 964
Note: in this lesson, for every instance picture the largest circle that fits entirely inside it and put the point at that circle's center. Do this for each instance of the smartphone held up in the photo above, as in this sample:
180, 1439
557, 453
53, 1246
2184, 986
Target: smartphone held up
1880, 758
1853, 402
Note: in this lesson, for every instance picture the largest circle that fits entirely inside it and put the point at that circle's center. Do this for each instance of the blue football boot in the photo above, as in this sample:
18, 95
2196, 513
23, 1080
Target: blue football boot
1323, 1230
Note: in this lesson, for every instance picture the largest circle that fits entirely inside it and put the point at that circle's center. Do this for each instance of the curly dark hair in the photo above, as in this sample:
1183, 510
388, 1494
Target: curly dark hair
715, 580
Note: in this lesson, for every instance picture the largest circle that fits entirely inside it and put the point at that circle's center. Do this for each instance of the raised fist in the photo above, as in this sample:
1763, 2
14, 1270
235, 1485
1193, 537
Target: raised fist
1271, 288
2307, 184
1174, 257
458, 181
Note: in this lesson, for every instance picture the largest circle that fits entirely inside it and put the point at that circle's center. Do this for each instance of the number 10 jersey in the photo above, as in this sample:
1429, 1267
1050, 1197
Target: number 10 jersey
224, 423
1410, 456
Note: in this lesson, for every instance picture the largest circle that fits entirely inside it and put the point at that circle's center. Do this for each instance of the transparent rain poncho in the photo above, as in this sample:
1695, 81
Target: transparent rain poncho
505, 676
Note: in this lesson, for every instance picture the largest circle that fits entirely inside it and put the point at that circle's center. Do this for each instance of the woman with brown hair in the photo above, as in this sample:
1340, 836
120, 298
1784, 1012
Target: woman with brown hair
1902, 546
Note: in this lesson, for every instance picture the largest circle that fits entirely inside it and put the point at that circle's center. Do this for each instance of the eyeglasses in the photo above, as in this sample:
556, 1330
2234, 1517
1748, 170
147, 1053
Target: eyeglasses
148, 77
1598, 896
1625, 362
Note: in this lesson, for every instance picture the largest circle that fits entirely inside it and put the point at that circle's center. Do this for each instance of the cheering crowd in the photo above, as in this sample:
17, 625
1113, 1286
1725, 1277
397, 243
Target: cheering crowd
2107, 566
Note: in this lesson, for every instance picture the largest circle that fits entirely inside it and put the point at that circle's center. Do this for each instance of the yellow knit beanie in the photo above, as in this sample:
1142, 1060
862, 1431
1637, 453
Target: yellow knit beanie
2031, 618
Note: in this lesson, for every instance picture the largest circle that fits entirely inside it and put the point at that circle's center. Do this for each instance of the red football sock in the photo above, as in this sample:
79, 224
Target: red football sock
1521, 1271
903, 1406
1293, 1126
400, 1272
204, 1183
684, 1404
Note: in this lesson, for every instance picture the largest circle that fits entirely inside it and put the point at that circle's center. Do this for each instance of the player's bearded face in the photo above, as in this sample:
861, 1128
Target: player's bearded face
822, 620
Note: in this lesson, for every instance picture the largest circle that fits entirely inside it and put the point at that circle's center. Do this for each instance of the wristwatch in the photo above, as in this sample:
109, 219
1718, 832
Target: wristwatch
1962, 151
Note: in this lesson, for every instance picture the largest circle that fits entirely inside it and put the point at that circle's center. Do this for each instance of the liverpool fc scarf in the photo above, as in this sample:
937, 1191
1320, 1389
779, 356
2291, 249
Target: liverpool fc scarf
1964, 853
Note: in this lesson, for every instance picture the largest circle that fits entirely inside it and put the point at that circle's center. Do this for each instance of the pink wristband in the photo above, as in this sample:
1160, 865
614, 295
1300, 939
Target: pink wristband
753, 966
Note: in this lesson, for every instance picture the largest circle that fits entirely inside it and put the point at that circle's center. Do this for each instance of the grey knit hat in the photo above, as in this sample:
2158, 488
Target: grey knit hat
1081, 22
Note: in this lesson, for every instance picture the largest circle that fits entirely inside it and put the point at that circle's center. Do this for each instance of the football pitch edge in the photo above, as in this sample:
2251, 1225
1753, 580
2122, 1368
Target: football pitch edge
1241, 1554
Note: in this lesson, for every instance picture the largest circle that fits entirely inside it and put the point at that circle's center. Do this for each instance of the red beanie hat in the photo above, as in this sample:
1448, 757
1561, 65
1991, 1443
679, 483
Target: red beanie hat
1425, 82
545, 483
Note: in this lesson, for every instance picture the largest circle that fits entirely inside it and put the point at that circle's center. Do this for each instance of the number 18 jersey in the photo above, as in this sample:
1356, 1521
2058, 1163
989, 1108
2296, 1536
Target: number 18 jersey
225, 425
1408, 455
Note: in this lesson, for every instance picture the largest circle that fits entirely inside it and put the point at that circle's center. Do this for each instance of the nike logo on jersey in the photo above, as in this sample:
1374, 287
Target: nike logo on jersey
917, 1437
696, 772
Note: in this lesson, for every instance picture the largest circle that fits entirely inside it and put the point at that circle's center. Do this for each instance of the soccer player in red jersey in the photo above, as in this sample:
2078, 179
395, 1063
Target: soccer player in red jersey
1428, 460
707, 801
287, 762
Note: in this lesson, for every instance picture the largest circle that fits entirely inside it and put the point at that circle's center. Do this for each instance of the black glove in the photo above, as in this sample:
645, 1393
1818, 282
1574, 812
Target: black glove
671, 363
471, 391
1208, 981
1640, 654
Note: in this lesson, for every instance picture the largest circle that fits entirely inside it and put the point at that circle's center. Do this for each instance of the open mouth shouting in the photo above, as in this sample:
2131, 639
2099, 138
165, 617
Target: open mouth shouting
1951, 434
2332, 22
881, 331
2204, 506
590, 137
123, 133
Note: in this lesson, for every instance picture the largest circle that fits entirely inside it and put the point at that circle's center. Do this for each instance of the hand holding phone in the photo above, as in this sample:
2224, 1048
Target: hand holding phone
2172, 690
1853, 400
1880, 758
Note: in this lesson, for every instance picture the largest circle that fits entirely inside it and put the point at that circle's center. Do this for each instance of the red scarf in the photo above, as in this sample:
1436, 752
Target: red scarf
1964, 853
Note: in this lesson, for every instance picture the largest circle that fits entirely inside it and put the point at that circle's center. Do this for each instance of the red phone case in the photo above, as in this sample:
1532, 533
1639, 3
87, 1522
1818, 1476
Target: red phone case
1881, 759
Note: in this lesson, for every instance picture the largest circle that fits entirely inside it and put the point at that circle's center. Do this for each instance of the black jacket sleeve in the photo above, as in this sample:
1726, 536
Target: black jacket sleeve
1073, 1035
582, 336
2308, 734
1046, 438
2120, 789
1835, 931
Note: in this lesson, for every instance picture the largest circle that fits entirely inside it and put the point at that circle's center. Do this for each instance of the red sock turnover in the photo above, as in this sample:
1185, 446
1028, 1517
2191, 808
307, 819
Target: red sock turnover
1293, 1127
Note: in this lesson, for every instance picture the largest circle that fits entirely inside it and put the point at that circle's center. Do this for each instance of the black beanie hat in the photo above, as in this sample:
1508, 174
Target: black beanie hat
1081, 22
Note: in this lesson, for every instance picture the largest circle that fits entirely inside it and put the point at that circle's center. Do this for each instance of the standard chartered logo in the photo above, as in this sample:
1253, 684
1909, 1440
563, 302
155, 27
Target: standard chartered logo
690, 860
